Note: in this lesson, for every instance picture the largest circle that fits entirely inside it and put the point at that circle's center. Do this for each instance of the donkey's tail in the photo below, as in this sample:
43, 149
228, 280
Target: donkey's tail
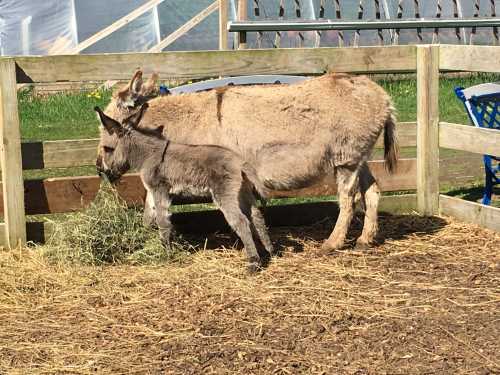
249, 173
391, 149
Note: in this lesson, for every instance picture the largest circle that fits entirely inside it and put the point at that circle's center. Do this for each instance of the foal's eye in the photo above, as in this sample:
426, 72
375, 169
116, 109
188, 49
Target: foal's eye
108, 149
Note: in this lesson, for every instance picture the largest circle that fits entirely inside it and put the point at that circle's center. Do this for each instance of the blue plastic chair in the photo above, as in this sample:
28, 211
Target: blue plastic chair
482, 103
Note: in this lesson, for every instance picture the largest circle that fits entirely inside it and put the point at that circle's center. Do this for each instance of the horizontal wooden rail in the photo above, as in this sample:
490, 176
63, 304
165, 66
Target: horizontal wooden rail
276, 216
66, 194
59, 154
203, 64
80, 152
469, 58
470, 212
469, 138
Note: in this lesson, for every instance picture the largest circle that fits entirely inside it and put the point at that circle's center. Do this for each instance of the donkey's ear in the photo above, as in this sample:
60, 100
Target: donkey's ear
136, 82
134, 120
150, 87
112, 126
133, 87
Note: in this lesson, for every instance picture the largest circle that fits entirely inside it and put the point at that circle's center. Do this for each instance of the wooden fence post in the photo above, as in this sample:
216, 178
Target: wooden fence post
10, 155
428, 130
242, 16
223, 18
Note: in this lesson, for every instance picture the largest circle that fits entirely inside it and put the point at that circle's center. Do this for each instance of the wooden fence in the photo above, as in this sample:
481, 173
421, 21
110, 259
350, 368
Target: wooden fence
72, 193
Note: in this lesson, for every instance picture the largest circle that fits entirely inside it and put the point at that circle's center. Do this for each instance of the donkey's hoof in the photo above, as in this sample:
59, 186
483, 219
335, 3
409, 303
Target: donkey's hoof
362, 245
254, 267
329, 247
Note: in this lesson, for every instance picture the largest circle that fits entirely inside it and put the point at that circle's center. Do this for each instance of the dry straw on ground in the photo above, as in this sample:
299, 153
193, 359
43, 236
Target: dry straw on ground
107, 231
426, 301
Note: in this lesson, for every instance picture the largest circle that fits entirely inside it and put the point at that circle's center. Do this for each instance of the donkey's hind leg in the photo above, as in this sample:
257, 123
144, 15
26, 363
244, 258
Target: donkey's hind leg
370, 195
347, 186
238, 221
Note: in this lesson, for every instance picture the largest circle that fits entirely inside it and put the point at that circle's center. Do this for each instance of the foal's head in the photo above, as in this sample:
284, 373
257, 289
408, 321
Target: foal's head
114, 145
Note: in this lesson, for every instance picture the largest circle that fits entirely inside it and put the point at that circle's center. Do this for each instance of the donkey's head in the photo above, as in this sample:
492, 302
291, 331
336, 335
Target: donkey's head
114, 147
125, 101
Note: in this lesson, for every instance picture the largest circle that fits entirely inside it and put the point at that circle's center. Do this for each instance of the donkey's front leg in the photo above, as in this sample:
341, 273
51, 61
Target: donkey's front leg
161, 207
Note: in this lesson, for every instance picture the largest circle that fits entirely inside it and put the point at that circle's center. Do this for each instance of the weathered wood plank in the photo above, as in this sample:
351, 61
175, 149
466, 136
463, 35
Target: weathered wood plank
73, 153
10, 155
427, 129
469, 138
116, 25
242, 16
470, 58
470, 212
72, 193
209, 221
223, 18
59, 154
203, 64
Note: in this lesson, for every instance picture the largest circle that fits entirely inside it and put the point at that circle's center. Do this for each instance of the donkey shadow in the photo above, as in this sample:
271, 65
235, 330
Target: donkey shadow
212, 233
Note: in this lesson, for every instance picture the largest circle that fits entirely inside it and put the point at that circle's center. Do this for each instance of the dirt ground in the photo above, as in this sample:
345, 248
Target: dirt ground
426, 301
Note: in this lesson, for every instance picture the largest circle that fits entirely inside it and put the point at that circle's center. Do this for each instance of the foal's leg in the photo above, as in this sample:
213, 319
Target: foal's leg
238, 221
371, 195
248, 205
261, 229
149, 215
347, 185
161, 206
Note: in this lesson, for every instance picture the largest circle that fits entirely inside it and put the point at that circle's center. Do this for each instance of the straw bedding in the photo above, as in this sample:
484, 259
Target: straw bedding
425, 301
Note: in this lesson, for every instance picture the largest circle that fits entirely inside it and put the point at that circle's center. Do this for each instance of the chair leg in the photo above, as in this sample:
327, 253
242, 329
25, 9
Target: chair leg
488, 184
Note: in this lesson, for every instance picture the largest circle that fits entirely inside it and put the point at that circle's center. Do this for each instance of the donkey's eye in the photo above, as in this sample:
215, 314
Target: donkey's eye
108, 149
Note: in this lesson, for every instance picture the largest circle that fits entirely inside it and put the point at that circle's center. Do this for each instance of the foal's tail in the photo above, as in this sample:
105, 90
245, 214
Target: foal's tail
391, 149
250, 174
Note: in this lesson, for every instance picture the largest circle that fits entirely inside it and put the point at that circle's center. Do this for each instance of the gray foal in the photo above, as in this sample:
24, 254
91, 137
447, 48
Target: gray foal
168, 168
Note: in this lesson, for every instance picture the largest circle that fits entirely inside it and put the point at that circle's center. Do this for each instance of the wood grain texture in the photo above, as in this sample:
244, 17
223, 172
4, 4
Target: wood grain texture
204, 64
470, 58
10, 155
59, 154
470, 212
209, 221
469, 138
223, 18
242, 16
427, 129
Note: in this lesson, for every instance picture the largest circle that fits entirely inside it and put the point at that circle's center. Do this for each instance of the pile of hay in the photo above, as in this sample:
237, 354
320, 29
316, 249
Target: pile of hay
107, 231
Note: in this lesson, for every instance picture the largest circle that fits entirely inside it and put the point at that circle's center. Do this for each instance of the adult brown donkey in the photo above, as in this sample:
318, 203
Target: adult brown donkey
293, 135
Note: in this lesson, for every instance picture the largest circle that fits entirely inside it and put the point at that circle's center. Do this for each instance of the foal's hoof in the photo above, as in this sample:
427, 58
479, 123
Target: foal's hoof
254, 267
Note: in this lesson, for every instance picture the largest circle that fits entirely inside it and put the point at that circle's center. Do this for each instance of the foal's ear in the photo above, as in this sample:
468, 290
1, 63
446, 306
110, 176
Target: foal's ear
112, 126
134, 120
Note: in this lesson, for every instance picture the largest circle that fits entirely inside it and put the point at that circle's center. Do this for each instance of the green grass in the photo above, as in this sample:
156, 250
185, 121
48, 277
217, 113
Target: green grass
60, 116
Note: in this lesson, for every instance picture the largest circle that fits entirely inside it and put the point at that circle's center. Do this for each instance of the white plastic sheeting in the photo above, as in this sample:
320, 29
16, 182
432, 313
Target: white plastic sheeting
37, 27
41, 27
